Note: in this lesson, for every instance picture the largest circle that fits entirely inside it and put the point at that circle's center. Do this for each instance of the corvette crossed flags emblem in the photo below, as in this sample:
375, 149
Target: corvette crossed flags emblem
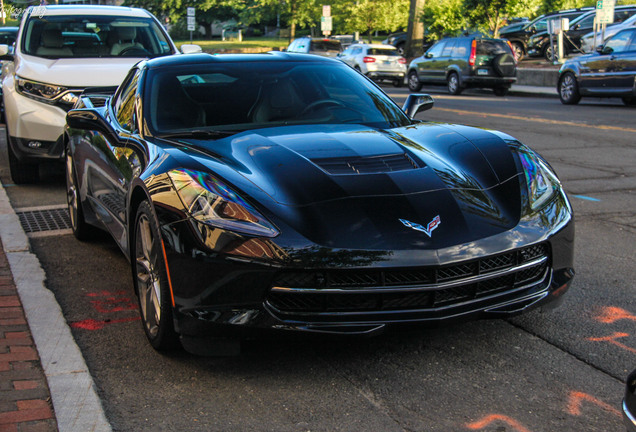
428, 229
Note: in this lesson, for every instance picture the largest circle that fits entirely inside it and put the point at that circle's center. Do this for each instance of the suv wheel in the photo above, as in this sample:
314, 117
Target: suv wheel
500, 91
569, 89
517, 48
414, 83
452, 81
547, 52
21, 172
400, 48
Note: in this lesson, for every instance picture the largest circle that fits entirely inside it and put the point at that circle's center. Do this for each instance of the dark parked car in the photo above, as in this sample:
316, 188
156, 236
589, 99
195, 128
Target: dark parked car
609, 72
539, 44
398, 40
288, 192
519, 38
465, 62
320, 46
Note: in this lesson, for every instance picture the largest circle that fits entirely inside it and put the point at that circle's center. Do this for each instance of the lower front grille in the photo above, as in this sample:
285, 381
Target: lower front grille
424, 288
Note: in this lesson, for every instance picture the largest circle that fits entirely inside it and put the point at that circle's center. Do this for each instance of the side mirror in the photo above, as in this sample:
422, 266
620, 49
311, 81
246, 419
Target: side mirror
6, 52
602, 49
416, 103
533, 29
88, 119
428, 55
190, 49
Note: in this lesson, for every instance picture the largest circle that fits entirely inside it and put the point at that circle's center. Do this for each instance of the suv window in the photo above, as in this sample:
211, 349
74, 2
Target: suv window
326, 45
383, 51
619, 43
448, 49
491, 48
436, 50
67, 36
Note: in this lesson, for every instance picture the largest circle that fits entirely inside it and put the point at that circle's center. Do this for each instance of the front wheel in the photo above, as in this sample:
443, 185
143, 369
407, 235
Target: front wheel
81, 230
151, 281
569, 89
21, 172
413, 82
452, 82
547, 52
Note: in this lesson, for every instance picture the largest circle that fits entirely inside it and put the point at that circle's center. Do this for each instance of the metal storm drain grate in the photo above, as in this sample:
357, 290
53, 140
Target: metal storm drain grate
50, 219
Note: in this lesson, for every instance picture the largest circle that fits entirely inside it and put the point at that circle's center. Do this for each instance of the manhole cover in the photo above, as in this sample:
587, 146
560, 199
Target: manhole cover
54, 219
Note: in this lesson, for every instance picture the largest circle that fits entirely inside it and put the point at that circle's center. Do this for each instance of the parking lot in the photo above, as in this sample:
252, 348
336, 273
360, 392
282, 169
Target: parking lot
560, 369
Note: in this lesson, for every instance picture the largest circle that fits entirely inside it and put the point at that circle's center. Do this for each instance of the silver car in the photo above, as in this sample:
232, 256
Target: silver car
377, 61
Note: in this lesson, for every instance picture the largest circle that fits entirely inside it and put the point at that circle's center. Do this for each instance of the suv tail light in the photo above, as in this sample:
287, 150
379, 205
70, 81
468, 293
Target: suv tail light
473, 53
368, 60
402, 60
512, 51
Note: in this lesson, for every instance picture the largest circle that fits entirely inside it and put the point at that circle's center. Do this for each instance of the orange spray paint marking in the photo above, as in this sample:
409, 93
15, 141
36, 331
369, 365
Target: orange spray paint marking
91, 324
492, 418
612, 339
612, 314
107, 302
575, 399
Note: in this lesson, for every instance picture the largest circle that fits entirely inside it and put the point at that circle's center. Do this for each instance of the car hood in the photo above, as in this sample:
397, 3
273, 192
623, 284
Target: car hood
75, 72
349, 186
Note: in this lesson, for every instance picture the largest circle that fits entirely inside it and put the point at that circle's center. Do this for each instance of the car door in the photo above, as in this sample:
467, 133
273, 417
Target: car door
109, 179
429, 63
608, 72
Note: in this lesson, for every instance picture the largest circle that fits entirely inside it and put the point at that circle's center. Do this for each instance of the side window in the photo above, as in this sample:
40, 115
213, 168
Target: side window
461, 49
618, 43
588, 22
448, 48
357, 50
436, 50
124, 105
632, 46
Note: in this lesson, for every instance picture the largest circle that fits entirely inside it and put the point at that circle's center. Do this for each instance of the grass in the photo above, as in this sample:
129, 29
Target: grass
248, 44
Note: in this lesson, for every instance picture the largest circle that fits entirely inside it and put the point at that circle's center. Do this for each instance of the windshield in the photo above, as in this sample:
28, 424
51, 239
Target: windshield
233, 96
94, 36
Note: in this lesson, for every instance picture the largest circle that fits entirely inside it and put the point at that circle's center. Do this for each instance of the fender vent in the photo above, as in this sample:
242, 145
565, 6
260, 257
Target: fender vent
367, 165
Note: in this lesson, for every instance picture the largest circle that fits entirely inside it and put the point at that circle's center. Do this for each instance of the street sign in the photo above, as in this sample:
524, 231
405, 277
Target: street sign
326, 10
605, 11
326, 23
190, 11
191, 23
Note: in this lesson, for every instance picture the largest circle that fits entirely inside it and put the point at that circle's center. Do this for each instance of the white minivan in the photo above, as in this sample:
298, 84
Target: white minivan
60, 51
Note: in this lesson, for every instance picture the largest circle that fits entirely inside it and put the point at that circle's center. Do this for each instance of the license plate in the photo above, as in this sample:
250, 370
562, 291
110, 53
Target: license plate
482, 71
387, 62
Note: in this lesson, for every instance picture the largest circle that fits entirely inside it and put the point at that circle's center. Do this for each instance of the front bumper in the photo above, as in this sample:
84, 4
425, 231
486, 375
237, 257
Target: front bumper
35, 127
219, 294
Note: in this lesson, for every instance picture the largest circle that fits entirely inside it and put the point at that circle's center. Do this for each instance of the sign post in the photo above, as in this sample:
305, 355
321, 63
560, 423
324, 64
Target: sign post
191, 20
326, 22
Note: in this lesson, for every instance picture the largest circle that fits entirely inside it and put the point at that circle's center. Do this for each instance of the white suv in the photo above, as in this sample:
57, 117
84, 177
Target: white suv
59, 51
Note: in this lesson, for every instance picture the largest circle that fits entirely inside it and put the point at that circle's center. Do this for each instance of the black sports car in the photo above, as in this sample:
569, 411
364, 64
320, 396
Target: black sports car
629, 403
287, 191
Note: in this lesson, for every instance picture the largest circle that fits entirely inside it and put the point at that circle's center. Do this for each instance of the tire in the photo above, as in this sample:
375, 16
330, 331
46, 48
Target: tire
400, 48
81, 230
398, 82
151, 281
547, 52
413, 82
568, 89
504, 65
518, 50
629, 100
452, 81
501, 91
21, 172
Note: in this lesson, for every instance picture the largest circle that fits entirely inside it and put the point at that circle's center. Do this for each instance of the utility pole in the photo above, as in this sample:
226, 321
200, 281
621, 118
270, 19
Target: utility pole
415, 31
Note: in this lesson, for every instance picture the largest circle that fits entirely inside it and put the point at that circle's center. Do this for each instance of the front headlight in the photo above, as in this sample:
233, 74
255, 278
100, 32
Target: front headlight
49, 93
541, 181
210, 201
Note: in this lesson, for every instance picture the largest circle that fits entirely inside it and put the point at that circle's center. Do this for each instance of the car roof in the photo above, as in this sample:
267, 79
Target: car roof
8, 29
204, 58
55, 10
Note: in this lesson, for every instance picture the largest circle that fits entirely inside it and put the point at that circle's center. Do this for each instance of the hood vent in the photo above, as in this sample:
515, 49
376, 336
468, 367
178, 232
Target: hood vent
367, 165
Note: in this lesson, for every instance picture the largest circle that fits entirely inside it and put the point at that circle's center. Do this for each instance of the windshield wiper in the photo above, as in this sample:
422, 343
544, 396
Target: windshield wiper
198, 133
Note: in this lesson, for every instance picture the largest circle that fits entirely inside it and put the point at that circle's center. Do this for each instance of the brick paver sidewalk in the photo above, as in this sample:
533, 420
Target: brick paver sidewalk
25, 401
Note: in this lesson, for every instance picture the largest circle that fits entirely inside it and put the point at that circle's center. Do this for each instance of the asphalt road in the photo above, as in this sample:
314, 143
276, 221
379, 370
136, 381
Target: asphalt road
561, 369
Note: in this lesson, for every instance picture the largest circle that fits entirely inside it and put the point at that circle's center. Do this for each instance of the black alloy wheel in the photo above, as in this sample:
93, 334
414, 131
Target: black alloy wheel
21, 172
569, 89
517, 48
452, 82
151, 281
81, 230
413, 82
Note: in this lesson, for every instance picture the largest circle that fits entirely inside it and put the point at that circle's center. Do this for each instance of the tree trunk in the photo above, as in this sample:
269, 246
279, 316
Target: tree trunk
415, 31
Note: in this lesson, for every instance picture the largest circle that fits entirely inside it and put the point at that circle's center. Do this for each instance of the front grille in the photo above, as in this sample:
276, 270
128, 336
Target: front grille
341, 291
367, 165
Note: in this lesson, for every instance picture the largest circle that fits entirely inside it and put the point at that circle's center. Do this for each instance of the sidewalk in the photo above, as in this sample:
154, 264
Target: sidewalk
25, 399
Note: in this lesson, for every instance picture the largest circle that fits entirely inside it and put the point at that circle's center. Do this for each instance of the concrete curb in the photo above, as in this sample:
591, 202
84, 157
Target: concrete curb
75, 401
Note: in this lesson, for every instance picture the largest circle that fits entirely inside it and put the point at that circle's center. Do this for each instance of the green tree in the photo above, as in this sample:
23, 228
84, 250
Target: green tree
489, 15
367, 16
444, 18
